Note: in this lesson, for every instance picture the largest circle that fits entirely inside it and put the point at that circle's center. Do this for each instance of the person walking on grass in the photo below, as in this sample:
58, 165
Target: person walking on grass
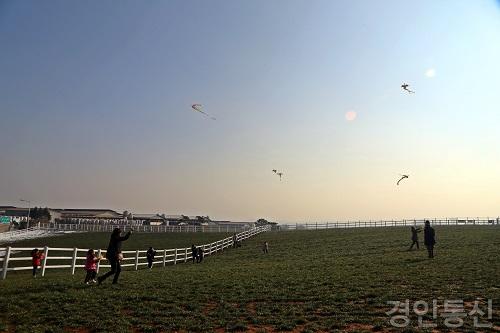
414, 238
194, 253
36, 259
114, 255
429, 239
91, 267
150, 257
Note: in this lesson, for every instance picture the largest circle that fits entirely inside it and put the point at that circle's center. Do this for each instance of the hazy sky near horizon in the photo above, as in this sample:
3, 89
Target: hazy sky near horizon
95, 107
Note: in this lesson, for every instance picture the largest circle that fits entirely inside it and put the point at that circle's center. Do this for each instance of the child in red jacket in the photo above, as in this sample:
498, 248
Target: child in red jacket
91, 267
36, 259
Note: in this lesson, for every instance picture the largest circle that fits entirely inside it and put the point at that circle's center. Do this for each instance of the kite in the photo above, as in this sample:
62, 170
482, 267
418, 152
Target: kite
405, 87
280, 174
199, 108
402, 177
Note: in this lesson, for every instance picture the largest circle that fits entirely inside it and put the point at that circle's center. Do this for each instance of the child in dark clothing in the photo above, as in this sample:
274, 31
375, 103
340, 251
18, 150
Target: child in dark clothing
150, 256
414, 237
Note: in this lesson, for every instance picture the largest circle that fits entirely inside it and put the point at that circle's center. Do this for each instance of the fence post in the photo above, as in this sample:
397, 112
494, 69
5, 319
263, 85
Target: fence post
185, 255
44, 262
99, 262
5, 262
136, 259
175, 257
164, 257
73, 263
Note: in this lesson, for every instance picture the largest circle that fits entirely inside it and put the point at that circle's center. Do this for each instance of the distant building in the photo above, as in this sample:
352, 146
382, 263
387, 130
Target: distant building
17, 214
187, 220
234, 224
85, 214
149, 219
109, 216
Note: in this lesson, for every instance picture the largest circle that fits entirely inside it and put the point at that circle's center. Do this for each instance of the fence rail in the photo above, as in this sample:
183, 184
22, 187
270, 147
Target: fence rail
142, 228
134, 258
30, 233
388, 223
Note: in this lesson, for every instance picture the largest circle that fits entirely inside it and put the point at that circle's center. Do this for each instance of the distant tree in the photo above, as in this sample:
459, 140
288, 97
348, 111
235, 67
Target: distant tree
262, 222
46, 213
39, 213
34, 213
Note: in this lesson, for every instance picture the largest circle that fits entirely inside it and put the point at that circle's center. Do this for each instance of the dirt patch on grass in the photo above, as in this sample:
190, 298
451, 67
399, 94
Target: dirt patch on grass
251, 329
356, 327
251, 308
126, 312
77, 330
209, 307
10, 329
267, 329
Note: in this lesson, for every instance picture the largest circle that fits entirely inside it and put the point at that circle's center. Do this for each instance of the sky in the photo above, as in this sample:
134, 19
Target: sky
95, 107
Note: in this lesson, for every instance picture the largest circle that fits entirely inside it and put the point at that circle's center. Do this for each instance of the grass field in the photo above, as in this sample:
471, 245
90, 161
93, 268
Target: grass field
311, 281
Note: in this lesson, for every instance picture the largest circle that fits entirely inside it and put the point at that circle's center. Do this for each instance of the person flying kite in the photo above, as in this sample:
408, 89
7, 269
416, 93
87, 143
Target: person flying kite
402, 177
405, 87
199, 108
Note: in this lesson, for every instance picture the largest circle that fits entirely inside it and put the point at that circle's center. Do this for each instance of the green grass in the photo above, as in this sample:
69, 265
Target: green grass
311, 281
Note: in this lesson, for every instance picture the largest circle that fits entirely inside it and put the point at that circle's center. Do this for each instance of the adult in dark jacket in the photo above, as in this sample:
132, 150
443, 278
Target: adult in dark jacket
194, 253
429, 238
200, 254
113, 254
414, 237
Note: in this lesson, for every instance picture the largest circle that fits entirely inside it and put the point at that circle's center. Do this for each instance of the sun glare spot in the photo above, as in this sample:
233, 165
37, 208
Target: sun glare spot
430, 73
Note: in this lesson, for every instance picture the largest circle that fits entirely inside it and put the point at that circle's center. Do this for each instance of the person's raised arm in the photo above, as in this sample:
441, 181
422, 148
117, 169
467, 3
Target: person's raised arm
124, 238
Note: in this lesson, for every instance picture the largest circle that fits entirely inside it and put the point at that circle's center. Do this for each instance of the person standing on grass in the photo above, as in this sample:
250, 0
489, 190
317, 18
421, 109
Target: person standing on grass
36, 260
150, 257
194, 253
414, 238
429, 238
200, 255
265, 247
91, 267
114, 255
235, 240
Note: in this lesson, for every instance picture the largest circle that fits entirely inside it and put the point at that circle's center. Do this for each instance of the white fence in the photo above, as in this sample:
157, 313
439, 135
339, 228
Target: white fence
131, 258
144, 228
30, 233
388, 223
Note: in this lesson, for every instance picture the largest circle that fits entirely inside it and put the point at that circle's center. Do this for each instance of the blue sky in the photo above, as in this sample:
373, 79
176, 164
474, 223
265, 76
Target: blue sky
95, 107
